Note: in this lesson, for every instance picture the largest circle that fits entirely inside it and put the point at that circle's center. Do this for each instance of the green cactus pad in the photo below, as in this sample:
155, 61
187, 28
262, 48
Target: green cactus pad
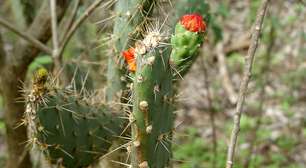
71, 131
185, 46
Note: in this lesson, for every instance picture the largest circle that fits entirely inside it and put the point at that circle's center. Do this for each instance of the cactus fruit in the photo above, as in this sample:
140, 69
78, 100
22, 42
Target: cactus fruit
152, 115
186, 41
70, 129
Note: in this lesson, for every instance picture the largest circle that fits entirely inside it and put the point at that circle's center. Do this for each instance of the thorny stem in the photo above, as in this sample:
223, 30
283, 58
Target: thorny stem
245, 81
211, 113
25, 36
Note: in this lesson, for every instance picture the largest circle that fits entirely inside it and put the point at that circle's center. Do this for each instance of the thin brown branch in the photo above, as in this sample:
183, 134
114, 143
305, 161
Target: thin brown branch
25, 36
41, 30
54, 26
55, 42
77, 24
28, 10
70, 20
226, 81
245, 81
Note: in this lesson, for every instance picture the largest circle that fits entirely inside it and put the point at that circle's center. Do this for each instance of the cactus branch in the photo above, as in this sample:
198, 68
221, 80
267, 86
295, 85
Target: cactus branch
245, 80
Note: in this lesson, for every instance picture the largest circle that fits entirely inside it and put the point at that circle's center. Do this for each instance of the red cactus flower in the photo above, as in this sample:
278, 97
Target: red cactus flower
129, 56
193, 22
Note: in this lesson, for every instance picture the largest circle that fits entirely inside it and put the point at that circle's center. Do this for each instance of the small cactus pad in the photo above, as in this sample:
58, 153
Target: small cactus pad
69, 129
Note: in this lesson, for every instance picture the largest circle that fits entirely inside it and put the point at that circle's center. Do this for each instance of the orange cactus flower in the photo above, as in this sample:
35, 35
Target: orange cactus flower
193, 22
129, 56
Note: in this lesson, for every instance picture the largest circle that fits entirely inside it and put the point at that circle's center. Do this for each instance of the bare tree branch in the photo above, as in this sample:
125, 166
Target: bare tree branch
227, 83
28, 10
41, 30
70, 20
25, 36
74, 27
24, 12
54, 25
55, 42
245, 81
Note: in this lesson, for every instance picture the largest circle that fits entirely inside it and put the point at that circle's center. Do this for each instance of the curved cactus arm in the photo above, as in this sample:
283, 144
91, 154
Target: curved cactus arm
152, 115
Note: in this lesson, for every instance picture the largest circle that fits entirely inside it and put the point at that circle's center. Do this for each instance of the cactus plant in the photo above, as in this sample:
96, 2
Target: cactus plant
70, 128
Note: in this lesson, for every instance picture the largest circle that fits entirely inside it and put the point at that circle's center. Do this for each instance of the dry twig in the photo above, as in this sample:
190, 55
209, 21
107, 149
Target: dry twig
77, 23
70, 20
226, 81
55, 42
245, 81
26, 36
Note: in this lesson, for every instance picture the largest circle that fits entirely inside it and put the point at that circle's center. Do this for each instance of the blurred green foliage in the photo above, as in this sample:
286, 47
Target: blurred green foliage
196, 152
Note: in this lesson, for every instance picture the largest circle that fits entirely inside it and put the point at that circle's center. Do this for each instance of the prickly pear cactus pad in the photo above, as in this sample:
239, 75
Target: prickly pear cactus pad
152, 115
69, 128
188, 37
